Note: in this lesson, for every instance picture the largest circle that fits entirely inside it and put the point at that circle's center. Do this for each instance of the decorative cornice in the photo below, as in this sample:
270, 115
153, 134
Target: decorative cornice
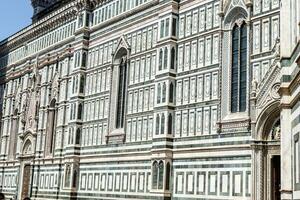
51, 21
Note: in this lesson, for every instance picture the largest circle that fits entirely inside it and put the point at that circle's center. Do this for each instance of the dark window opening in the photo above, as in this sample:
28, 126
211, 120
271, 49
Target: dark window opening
121, 95
239, 69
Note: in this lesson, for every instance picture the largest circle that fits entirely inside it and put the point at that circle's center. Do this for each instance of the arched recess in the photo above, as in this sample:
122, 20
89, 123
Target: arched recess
27, 147
266, 121
235, 17
51, 124
118, 97
266, 154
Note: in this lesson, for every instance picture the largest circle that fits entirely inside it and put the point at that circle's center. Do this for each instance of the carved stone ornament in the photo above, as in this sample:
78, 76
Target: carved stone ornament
235, 2
239, 22
274, 91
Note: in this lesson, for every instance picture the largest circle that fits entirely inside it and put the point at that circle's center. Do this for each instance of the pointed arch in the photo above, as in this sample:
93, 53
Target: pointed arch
161, 175
162, 124
121, 94
78, 136
166, 58
239, 68
171, 93
27, 147
155, 175
51, 127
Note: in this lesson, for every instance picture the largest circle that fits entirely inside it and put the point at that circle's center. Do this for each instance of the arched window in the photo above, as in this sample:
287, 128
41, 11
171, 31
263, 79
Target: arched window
77, 59
166, 58
121, 95
68, 176
170, 124
78, 136
160, 60
157, 125
74, 85
154, 175
81, 90
171, 93
70, 140
162, 125
168, 175
84, 58
161, 175
158, 93
79, 113
164, 91
239, 69
243, 68
173, 57
74, 184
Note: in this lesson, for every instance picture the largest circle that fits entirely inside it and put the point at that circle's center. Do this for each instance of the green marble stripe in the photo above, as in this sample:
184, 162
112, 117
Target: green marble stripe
87, 196
242, 165
115, 168
215, 136
217, 144
223, 158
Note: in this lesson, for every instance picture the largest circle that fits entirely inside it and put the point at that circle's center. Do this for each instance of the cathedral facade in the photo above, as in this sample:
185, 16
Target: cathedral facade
152, 99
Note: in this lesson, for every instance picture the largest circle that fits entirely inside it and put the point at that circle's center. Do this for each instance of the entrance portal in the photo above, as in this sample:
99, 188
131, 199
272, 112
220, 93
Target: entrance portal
275, 177
26, 181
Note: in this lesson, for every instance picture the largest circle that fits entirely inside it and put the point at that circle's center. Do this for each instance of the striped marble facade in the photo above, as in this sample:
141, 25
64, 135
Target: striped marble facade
179, 139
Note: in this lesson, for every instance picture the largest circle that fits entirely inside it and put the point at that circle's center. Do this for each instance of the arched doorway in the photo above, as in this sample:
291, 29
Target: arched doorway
266, 155
26, 169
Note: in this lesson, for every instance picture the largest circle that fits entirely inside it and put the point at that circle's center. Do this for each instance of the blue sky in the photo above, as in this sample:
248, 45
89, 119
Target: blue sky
14, 16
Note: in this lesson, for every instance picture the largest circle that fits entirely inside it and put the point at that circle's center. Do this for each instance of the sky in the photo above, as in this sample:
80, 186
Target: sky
14, 16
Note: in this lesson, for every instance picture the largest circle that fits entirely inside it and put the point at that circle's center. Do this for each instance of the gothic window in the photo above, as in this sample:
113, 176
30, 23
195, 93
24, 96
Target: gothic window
79, 113
70, 139
121, 94
239, 69
162, 125
162, 27
174, 25
166, 58
155, 175
158, 175
164, 91
78, 135
168, 175
171, 93
167, 27
170, 124
84, 58
158, 93
173, 57
81, 90
157, 125
160, 60
68, 176
74, 182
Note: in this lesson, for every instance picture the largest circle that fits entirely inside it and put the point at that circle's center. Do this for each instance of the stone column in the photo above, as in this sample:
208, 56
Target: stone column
258, 173
286, 28
286, 154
